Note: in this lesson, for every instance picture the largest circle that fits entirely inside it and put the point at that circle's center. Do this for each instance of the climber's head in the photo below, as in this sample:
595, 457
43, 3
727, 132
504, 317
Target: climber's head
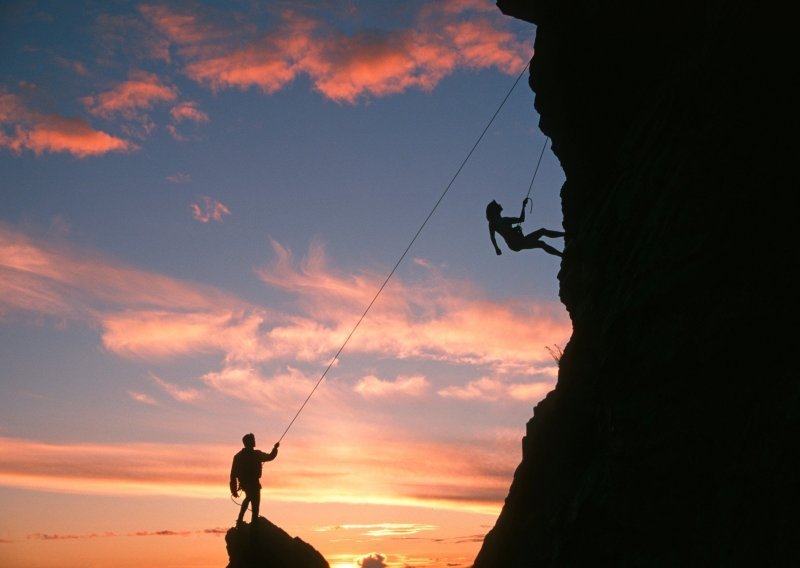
249, 441
493, 210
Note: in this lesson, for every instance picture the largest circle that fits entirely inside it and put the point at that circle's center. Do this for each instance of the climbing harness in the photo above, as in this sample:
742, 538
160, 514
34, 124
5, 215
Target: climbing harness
408, 248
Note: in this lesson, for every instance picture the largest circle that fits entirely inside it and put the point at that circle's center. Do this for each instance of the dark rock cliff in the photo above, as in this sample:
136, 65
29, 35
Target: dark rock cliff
265, 545
671, 438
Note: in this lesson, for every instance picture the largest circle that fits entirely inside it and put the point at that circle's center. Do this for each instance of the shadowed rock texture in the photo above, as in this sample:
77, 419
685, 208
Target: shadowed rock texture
265, 545
671, 438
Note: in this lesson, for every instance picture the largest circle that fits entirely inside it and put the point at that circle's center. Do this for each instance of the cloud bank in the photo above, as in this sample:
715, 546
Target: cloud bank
348, 53
152, 317
344, 66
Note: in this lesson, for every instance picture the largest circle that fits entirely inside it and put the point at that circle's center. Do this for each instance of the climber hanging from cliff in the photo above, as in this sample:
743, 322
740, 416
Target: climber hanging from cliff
509, 229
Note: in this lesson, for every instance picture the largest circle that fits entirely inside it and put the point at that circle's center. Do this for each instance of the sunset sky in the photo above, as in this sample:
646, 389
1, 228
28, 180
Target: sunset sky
199, 200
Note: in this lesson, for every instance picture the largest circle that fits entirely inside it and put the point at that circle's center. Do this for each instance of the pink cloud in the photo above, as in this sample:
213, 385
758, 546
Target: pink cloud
209, 209
350, 67
141, 91
188, 110
492, 389
280, 391
345, 66
143, 398
150, 467
139, 314
53, 134
254, 66
434, 319
481, 45
23, 129
184, 26
182, 112
163, 334
372, 386
149, 316
316, 285
180, 394
54, 279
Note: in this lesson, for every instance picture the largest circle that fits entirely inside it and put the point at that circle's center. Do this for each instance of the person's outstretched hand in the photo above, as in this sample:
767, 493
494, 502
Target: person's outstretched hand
277, 445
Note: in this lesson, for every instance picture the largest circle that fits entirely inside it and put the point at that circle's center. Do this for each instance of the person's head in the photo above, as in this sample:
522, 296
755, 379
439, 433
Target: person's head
249, 440
493, 210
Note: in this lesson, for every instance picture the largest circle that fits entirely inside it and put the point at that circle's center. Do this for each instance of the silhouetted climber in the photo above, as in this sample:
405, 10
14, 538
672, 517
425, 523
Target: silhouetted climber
509, 229
246, 473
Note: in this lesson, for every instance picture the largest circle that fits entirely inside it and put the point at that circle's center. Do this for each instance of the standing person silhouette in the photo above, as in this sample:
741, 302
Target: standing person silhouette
509, 229
246, 473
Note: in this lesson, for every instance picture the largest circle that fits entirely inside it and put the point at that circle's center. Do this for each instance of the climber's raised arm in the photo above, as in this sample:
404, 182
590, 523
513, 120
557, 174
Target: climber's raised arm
494, 241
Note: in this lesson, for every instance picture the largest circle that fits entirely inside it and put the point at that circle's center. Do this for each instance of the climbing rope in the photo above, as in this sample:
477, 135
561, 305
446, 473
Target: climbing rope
405, 252
535, 171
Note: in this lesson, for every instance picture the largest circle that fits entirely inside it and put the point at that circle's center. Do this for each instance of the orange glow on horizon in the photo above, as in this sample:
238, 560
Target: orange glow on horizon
441, 478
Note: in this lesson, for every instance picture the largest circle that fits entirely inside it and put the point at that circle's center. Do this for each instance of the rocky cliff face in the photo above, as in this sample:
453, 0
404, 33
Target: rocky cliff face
671, 438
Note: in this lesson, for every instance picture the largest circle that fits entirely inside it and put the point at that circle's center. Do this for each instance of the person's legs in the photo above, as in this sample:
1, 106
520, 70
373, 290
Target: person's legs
243, 508
532, 241
255, 500
538, 234
547, 248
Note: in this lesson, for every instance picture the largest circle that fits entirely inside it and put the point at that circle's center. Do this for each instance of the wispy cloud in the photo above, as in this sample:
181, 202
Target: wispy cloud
209, 209
435, 318
380, 529
169, 333
179, 177
146, 315
188, 110
185, 26
110, 534
185, 111
372, 386
444, 475
143, 398
490, 388
273, 392
181, 394
141, 91
77, 67
50, 278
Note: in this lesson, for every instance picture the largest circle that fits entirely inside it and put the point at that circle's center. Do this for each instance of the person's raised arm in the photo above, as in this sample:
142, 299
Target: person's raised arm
522, 215
273, 454
494, 241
